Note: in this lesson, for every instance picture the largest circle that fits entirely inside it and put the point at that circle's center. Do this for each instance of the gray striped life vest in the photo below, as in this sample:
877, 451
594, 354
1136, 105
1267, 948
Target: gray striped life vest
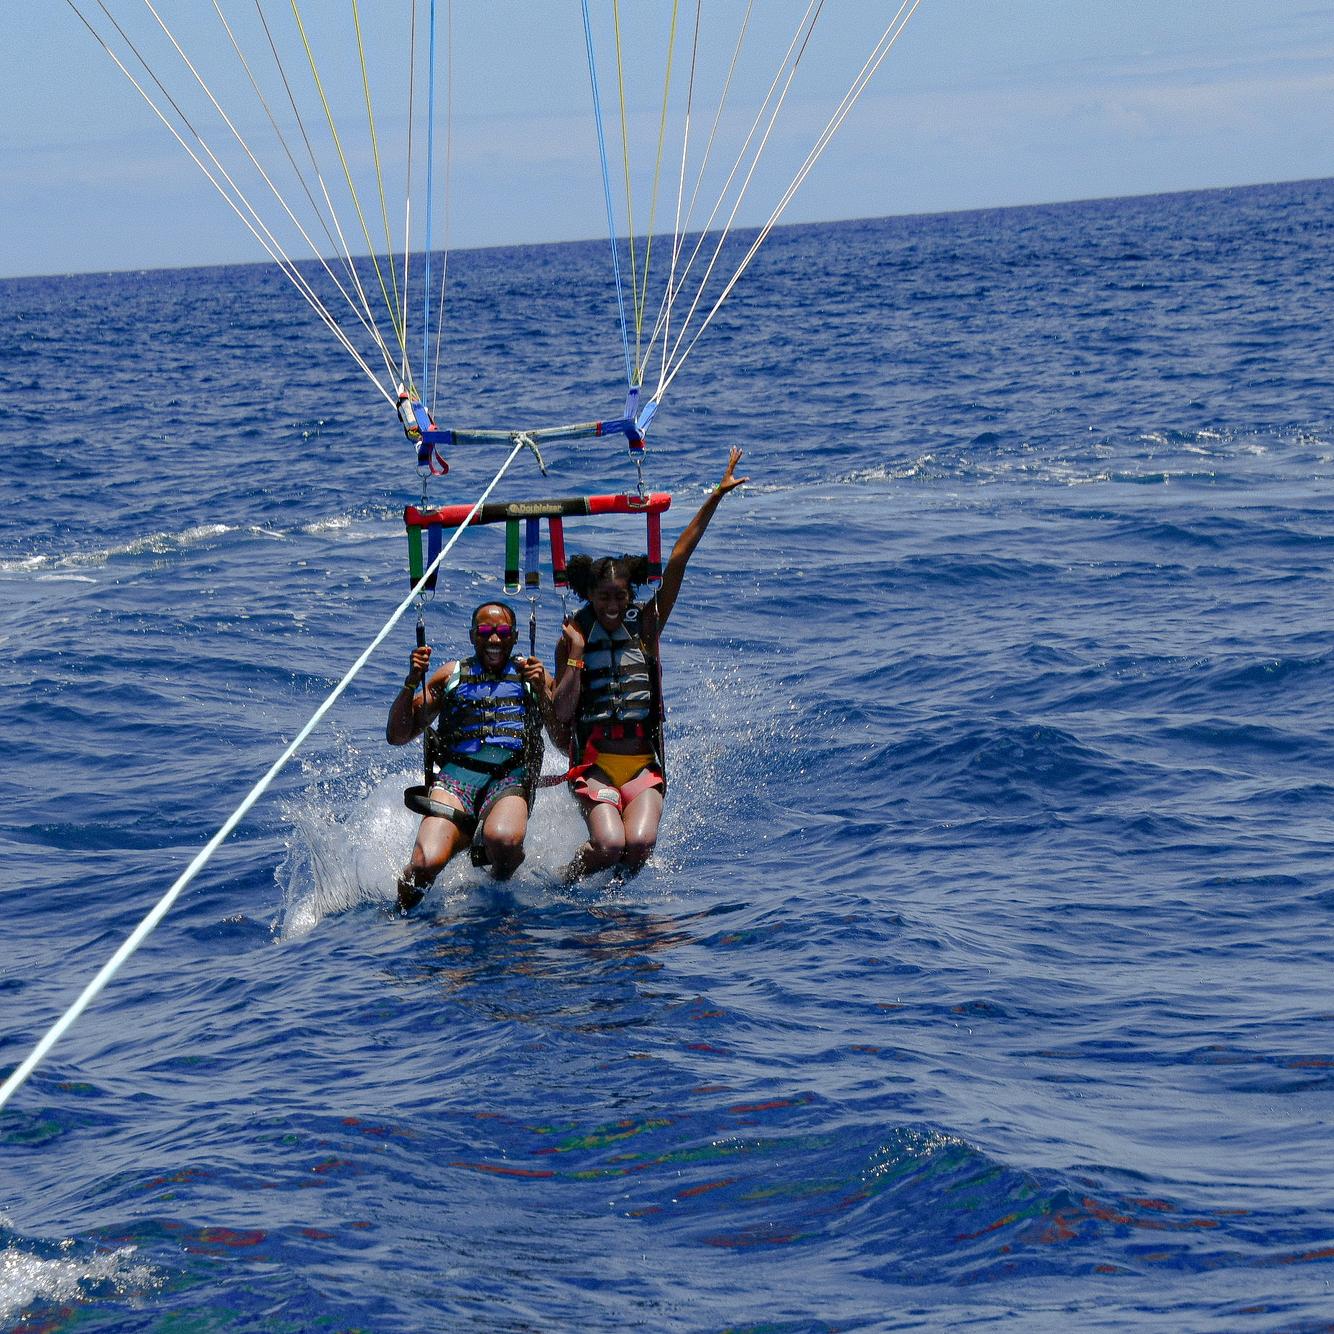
620, 682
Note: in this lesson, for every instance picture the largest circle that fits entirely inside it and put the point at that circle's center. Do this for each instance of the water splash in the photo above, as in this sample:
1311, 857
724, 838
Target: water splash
65, 1277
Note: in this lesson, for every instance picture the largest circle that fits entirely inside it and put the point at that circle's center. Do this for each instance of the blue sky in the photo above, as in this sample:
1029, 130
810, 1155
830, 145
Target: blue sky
981, 103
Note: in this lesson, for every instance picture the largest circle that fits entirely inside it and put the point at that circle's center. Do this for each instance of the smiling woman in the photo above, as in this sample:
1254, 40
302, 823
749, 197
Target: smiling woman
483, 753
607, 699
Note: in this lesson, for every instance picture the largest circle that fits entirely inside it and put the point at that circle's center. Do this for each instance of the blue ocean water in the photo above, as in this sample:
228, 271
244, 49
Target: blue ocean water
982, 977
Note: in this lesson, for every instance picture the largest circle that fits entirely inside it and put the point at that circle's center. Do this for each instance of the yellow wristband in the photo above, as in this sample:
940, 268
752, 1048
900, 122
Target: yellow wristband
574, 662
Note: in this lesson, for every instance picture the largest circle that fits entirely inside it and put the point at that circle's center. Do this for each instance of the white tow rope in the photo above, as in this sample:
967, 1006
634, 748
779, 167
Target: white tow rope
163, 906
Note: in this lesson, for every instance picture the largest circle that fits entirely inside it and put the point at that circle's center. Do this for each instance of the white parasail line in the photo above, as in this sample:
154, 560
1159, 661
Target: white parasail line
141, 933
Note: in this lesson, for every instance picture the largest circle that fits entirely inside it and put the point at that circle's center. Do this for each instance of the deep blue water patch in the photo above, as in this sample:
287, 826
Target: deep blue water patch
981, 976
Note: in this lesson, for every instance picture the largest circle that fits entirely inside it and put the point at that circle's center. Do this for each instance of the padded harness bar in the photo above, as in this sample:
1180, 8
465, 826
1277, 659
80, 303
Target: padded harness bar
530, 512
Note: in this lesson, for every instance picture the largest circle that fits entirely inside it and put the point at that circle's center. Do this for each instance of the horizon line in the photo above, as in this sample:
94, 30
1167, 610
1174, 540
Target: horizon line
595, 240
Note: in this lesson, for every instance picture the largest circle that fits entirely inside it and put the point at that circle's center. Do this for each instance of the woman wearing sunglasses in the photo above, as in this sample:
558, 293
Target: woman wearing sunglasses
608, 695
485, 750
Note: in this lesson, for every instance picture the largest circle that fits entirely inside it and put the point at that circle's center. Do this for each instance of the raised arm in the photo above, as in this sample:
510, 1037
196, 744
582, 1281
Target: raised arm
689, 540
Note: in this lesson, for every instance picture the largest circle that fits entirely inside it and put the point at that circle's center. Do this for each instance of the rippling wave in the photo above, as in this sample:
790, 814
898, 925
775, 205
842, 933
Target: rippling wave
981, 976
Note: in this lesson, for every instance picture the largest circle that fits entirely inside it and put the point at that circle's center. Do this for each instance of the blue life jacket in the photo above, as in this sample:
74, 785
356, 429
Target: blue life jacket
480, 709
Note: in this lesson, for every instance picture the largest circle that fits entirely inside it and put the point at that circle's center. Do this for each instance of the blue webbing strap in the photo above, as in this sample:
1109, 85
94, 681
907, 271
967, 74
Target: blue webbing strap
532, 558
606, 191
433, 544
428, 437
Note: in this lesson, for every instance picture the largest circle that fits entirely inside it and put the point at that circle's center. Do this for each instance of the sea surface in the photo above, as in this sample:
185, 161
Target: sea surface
984, 975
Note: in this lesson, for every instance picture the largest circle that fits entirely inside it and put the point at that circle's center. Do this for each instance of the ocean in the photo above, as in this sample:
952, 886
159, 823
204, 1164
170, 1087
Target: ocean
982, 974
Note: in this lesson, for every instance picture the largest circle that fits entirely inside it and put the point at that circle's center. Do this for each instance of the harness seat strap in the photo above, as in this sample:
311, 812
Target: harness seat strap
419, 800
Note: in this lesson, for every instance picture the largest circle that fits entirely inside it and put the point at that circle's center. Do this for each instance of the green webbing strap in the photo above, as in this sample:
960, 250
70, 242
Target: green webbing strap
416, 566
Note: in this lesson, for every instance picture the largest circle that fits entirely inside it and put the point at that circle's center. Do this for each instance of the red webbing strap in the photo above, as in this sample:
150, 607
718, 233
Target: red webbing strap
556, 530
574, 771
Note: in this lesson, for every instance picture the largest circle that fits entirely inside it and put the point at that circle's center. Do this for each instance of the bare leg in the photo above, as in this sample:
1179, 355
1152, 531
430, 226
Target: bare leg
606, 840
640, 822
438, 840
503, 833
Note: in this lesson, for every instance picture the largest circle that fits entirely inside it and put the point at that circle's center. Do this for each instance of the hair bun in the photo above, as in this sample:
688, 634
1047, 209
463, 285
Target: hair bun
585, 574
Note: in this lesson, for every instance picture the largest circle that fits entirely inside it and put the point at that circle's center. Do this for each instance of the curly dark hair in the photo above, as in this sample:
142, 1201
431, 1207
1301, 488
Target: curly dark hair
585, 574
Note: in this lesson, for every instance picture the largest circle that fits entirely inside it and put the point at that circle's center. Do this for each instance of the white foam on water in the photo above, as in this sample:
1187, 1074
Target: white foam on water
156, 544
346, 848
27, 1279
341, 855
